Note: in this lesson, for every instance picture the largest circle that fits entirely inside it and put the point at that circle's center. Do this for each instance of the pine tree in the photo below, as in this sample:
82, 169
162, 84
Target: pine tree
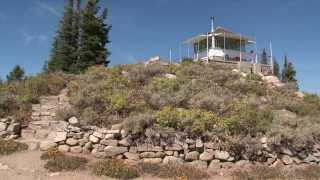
276, 68
288, 72
94, 36
17, 74
62, 54
264, 57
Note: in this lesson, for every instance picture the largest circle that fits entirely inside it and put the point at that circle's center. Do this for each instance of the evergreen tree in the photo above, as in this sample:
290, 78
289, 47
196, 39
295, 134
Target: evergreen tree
288, 72
276, 68
17, 74
264, 57
76, 36
63, 50
94, 36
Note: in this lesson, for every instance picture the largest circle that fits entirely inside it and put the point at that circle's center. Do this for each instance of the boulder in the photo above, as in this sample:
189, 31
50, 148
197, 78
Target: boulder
132, 156
149, 148
3, 126
98, 154
116, 131
221, 155
172, 159
206, 156
311, 159
214, 165
199, 143
286, 151
174, 147
152, 160
109, 142
46, 145
170, 76
124, 142
64, 148
198, 164
190, 141
286, 160
71, 141
76, 149
112, 151
14, 128
210, 145
192, 156
93, 139
109, 136
60, 136
73, 121
98, 135
152, 155
43, 134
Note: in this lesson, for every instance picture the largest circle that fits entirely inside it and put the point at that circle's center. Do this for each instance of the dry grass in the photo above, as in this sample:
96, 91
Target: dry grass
57, 161
172, 171
115, 169
10, 147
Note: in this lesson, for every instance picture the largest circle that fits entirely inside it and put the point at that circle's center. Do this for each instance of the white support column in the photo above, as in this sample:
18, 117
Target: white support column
207, 47
170, 55
224, 46
180, 52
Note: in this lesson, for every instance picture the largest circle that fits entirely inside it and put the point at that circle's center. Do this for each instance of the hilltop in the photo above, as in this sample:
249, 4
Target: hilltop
243, 116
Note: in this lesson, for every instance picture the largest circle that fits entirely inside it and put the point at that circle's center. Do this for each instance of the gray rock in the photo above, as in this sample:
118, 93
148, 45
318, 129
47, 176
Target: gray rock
76, 149
210, 145
198, 164
214, 166
199, 143
172, 159
71, 142
98, 134
149, 148
169, 153
152, 160
98, 154
243, 163
74, 129
64, 148
174, 147
109, 142
43, 134
93, 139
124, 142
73, 121
117, 131
206, 156
221, 155
28, 133
190, 141
14, 128
112, 151
132, 156
192, 156
116, 127
109, 136
286, 160
46, 145
311, 159
60, 136
264, 140
152, 155
3, 126
286, 151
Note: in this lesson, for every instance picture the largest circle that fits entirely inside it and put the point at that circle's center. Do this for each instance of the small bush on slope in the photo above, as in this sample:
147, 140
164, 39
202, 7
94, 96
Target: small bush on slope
57, 161
115, 169
9, 147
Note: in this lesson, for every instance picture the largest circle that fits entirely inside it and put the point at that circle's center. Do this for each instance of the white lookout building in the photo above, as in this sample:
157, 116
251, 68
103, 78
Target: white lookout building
224, 46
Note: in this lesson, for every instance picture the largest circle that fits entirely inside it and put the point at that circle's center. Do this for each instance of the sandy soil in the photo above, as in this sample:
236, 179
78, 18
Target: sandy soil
28, 166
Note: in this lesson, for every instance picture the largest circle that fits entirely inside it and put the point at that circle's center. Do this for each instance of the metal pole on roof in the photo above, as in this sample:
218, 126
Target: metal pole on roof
207, 47
240, 53
212, 31
170, 55
188, 51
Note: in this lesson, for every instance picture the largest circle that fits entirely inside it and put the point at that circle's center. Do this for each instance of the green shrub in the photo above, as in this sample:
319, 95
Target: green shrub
244, 119
193, 120
115, 169
254, 77
9, 147
57, 161
137, 124
176, 171
164, 84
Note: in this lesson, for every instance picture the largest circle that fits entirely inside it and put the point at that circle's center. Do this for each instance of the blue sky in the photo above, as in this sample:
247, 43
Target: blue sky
144, 28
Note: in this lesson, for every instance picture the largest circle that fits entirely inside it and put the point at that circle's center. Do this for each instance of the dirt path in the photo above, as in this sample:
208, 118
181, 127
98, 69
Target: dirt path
28, 166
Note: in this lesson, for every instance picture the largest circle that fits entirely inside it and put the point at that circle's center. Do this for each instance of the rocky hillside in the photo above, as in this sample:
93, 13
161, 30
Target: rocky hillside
198, 113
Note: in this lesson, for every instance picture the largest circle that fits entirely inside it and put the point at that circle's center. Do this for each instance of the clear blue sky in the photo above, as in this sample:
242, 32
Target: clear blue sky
143, 28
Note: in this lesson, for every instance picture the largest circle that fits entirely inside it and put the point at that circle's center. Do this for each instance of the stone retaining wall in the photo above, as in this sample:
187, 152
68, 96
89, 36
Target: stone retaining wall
115, 142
